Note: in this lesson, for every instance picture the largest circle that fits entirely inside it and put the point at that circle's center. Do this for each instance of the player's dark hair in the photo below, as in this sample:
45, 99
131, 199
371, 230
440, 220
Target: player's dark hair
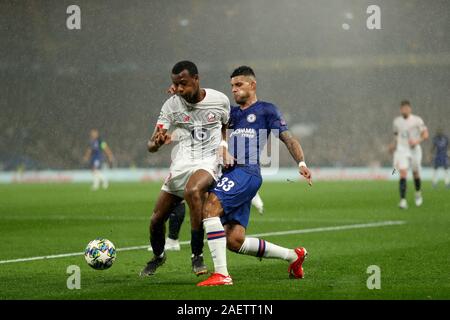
405, 103
185, 65
243, 71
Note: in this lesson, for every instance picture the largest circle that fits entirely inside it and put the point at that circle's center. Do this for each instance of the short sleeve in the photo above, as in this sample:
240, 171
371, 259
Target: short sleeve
226, 110
394, 127
421, 124
165, 116
275, 120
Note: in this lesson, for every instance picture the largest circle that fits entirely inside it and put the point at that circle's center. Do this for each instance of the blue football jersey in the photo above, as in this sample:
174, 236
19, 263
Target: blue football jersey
250, 129
441, 144
96, 146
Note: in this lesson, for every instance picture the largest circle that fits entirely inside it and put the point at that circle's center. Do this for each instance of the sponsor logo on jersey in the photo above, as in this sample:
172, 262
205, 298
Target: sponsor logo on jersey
211, 117
244, 132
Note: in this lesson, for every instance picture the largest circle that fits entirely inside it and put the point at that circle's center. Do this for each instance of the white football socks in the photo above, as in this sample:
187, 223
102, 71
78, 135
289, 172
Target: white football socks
435, 177
258, 203
97, 179
217, 244
261, 248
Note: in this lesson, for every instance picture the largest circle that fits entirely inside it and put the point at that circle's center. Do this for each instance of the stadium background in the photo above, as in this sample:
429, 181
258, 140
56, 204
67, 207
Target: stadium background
339, 89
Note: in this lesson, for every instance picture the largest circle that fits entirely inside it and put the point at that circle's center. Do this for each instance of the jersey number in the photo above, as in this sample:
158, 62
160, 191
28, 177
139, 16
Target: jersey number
226, 184
200, 134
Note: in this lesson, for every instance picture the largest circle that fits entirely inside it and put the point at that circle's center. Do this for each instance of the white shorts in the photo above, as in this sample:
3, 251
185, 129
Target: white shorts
181, 171
405, 160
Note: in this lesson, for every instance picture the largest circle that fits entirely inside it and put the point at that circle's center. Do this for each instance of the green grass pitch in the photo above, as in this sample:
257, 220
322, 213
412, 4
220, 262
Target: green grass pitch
414, 257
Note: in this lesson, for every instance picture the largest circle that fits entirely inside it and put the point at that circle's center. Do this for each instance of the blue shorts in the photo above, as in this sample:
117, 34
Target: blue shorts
235, 190
96, 163
441, 161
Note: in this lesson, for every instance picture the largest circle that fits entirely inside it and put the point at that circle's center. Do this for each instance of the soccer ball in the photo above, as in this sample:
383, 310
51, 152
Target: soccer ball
100, 254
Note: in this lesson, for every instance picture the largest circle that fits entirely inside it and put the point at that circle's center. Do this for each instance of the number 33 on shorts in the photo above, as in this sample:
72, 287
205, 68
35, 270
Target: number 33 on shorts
225, 184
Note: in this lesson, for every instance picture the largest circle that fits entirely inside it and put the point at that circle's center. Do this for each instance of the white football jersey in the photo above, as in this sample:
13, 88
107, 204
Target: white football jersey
198, 126
406, 129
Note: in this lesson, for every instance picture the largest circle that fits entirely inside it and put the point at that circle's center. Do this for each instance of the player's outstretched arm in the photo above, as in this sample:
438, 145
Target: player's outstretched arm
296, 151
158, 138
109, 154
87, 155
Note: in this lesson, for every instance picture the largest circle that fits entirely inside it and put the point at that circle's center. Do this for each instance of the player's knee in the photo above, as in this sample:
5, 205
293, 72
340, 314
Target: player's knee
212, 208
156, 221
192, 192
235, 243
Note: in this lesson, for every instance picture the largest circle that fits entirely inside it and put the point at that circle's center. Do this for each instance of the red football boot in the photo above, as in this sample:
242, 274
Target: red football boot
295, 268
216, 279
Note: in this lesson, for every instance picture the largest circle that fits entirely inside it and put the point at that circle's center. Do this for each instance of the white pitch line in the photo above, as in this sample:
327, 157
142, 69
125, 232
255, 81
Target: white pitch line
268, 234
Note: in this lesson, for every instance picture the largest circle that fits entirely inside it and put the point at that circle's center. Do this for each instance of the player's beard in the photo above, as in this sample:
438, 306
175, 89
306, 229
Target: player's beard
193, 98
241, 99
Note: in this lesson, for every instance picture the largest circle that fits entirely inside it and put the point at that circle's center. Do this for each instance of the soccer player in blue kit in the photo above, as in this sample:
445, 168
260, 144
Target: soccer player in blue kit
94, 154
440, 151
226, 211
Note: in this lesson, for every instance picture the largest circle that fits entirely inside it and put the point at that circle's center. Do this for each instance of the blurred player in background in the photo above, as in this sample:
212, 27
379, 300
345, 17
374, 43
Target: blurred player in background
227, 210
258, 203
409, 132
176, 219
440, 160
94, 154
200, 116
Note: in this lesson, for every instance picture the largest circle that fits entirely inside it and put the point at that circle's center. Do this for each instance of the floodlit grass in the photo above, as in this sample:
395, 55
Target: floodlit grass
39, 220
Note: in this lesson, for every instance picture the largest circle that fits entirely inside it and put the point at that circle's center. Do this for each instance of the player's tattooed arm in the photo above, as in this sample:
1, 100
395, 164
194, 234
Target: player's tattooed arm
293, 146
296, 151
159, 138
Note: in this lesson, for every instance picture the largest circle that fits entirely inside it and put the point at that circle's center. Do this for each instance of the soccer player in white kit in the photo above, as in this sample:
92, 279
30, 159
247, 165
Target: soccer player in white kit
409, 131
200, 116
